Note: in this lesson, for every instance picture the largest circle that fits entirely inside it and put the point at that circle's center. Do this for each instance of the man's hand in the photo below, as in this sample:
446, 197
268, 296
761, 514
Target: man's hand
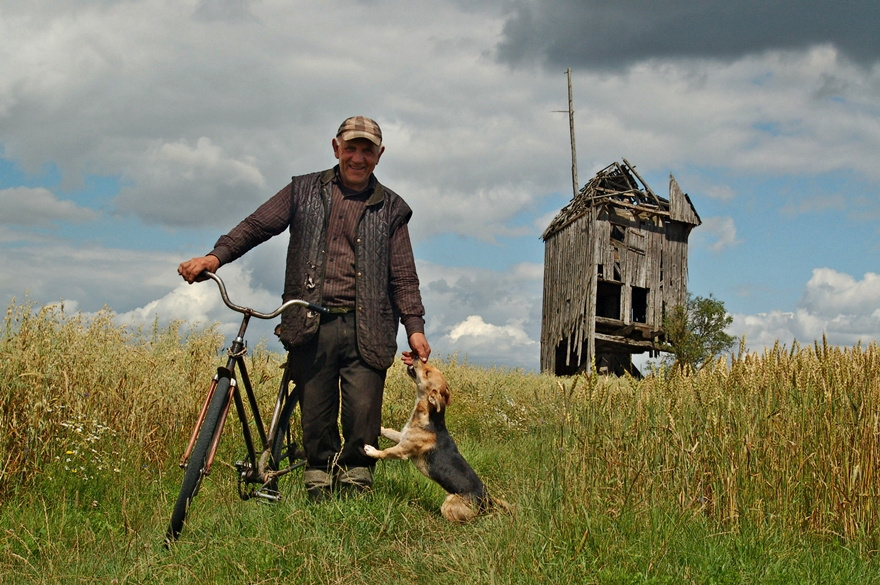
420, 349
191, 269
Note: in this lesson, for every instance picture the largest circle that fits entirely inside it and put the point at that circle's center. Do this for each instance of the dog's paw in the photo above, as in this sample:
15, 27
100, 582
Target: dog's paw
371, 451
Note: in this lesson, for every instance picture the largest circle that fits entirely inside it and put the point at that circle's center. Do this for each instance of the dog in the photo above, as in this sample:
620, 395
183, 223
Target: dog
425, 440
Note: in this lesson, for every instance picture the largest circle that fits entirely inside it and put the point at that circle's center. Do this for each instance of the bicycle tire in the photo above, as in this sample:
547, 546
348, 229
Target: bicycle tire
195, 469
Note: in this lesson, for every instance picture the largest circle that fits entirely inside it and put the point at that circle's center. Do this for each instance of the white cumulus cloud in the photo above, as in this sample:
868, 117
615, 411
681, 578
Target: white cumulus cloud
25, 206
206, 160
716, 233
200, 303
834, 305
475, 328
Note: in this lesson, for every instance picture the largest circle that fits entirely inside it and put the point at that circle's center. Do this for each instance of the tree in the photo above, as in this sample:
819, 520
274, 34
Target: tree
695, 332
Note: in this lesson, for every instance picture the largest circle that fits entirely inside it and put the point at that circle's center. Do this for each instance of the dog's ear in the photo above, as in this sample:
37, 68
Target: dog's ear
439, 398
444, 393
435, 401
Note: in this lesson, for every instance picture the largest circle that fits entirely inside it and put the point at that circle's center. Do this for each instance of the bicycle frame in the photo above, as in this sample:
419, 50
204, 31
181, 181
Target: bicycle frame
252, 470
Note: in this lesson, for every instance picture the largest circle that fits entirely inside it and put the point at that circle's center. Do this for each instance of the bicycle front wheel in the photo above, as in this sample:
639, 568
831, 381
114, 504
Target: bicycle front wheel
195, 468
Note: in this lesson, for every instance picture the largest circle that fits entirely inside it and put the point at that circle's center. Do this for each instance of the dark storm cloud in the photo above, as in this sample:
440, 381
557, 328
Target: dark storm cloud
602, 34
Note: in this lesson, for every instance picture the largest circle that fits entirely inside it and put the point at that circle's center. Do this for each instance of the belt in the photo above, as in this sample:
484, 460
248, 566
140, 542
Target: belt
340, 310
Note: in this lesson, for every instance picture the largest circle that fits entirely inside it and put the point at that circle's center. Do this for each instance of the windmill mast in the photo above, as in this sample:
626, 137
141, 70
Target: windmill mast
574, 164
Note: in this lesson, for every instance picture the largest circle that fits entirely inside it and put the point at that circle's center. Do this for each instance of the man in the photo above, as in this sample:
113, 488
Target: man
349, 251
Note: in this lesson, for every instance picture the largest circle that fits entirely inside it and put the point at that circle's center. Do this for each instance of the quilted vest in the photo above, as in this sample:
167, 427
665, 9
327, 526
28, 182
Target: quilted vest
377, 317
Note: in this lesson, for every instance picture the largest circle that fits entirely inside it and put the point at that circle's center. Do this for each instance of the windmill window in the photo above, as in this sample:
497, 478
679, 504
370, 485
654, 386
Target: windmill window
608, 300
639, 305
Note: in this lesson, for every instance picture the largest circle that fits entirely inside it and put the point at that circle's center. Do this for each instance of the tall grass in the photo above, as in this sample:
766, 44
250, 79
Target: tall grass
782, 439
760, 469
70, 384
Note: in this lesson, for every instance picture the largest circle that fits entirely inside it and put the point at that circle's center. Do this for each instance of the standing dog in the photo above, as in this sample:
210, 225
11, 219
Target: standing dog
426, 441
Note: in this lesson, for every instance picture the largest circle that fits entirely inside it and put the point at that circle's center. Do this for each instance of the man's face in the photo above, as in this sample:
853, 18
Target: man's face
357, 159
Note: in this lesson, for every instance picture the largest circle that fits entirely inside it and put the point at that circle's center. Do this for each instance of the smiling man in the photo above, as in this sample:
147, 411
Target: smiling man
358, 146
349, 251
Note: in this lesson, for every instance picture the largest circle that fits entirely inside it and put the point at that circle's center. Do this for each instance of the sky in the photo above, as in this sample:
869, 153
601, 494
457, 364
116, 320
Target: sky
133, 133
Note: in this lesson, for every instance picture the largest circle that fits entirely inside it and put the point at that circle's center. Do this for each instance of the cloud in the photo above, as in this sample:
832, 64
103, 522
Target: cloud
25, 206
719, 192
830, 293
231, 11
140, 286
834, 305
506, 344
207, 159
507, 333
182, 185
475, 328
710, 188
757, 115
481, 214
52, 269
24, 237
206, 112
606, 34
135, 89
716, 233
491, 316
818, 203
201, 304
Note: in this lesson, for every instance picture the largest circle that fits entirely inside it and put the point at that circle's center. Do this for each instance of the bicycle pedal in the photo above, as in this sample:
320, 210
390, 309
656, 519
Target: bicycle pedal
268, 495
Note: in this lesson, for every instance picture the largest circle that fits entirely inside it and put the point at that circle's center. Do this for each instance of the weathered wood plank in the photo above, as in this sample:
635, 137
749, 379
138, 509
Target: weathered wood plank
680, 206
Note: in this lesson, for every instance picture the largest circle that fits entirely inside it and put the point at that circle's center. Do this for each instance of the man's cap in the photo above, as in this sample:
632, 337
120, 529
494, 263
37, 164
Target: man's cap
360, 127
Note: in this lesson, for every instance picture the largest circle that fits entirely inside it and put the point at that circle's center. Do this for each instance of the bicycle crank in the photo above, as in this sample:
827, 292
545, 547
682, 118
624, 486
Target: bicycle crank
253, 484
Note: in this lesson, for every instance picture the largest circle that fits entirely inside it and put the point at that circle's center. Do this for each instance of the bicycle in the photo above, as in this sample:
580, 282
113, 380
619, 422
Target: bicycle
258, 472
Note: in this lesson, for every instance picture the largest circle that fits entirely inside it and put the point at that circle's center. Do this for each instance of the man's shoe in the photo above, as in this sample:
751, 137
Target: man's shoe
318, 494
319, 484
354, 480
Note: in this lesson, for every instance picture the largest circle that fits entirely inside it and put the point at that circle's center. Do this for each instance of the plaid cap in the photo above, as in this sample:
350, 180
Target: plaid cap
360, 127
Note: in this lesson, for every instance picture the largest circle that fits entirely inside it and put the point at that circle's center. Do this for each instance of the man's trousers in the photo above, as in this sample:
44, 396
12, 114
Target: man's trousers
329, 373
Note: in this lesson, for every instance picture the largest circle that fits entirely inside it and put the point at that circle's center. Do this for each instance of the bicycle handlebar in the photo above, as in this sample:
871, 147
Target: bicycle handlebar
205, 275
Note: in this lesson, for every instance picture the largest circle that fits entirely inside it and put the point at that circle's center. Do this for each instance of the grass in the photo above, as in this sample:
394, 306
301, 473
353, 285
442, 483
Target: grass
762, 470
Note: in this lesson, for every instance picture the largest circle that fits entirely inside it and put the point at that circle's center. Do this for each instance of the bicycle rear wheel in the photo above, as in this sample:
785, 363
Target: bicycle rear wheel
195, 468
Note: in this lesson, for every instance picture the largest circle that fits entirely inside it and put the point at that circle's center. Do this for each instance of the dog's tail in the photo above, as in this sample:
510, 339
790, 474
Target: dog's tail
461, 508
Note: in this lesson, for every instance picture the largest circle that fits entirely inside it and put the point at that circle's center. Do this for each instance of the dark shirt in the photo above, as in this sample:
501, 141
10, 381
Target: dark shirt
273, 217
340, 274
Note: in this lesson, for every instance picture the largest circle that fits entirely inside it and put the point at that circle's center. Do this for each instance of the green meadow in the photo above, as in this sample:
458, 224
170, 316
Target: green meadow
762, 468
